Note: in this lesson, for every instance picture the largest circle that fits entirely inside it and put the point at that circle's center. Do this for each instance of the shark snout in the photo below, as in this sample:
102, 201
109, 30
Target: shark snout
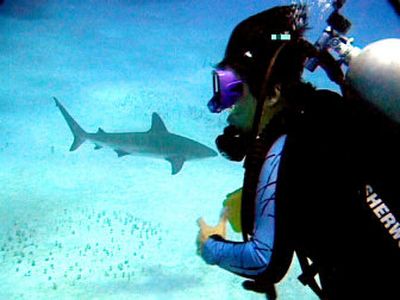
213, 153
208, 152
201, 153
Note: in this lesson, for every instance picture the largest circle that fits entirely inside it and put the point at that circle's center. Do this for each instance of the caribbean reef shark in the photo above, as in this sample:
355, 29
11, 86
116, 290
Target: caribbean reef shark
156, 142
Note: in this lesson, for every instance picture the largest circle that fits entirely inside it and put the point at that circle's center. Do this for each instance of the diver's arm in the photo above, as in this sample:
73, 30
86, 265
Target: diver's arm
252, 258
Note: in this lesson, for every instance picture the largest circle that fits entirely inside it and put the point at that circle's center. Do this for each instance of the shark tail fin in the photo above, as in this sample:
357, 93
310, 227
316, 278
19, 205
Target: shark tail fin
79, 134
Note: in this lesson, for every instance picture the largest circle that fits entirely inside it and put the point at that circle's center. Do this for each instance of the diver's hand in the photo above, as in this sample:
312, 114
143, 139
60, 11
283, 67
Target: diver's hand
206, 231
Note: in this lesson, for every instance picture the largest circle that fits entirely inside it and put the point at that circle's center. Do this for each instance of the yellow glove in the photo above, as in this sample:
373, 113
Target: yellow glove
233, 204
206, 231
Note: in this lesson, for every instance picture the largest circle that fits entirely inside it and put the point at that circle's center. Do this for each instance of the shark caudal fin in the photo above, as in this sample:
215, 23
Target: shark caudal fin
77, 131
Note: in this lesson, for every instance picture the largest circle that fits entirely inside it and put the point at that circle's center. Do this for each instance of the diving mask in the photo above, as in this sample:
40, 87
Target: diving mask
228, 88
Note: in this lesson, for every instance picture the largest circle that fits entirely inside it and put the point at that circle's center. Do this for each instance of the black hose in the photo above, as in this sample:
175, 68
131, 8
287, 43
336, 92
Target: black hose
396, 5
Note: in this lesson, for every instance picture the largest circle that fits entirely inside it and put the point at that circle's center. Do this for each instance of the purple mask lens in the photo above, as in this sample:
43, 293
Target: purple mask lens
228, 88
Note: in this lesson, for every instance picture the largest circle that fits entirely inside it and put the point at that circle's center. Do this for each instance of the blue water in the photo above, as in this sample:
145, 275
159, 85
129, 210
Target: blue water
90, 225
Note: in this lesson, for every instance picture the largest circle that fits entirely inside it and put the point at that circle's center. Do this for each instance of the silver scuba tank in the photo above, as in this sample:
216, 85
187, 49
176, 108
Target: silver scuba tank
374, 74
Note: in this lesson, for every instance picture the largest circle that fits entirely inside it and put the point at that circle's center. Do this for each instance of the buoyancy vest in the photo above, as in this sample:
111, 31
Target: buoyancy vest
338, 200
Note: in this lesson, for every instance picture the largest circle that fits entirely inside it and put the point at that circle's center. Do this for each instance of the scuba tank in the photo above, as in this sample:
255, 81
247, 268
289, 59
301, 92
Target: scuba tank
373, 73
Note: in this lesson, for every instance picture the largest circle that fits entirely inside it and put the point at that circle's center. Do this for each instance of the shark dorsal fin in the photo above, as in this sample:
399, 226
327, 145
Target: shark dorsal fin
157, 125
100, 130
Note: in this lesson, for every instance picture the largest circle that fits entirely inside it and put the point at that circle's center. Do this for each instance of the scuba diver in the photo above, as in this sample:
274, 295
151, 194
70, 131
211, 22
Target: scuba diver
319, 169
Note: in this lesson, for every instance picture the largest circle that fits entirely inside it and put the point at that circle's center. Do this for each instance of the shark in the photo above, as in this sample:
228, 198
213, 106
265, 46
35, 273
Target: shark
157, 142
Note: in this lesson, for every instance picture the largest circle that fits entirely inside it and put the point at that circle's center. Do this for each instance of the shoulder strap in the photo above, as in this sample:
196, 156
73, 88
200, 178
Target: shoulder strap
308, 275
253, 163
283, 251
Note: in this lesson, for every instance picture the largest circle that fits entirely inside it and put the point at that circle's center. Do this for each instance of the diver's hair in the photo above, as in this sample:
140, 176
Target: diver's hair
250, 48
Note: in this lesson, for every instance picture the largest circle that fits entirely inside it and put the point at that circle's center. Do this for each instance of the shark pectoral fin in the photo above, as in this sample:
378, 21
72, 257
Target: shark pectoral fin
121, 153
97, 147
176, 163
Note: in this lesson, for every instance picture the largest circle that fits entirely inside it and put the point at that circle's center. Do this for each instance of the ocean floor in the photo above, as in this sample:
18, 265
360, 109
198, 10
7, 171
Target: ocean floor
87, 224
